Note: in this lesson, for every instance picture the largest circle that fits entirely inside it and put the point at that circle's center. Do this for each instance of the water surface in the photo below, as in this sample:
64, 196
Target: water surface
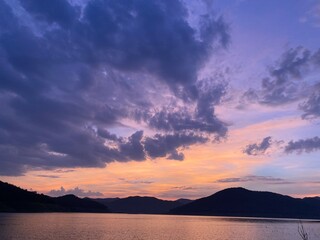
78, 226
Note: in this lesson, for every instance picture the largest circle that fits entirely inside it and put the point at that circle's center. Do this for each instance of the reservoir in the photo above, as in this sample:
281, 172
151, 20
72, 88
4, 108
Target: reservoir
78, 226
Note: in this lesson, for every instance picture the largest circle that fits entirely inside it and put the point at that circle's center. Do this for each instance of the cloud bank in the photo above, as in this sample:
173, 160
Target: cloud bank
71, 73
303, 145
76, 191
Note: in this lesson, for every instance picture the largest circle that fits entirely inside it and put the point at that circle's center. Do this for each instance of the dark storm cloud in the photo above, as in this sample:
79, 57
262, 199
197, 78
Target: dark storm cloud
303, 145
200, 119
58, 11
107, 135
311, 107
175, 155
76, 191
182, 120
281, 86
131, 35
211, 94
258, 148
7, 19
286, 81
78, 72
153, 35
166, 145
133, 148
252, 178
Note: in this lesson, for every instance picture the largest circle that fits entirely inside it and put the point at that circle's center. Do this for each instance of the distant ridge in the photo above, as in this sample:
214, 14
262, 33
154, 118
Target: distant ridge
245, 203
238, 202
15, 199
143, 205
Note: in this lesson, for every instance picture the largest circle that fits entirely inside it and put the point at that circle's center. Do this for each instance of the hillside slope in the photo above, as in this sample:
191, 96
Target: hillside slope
245, 203
15, 199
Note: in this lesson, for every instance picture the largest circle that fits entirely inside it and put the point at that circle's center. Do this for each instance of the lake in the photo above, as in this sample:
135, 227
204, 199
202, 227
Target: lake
78, 226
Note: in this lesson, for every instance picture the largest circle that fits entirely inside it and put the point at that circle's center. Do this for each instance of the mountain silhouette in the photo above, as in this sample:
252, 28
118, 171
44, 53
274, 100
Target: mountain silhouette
105, 201
143, 205
238, 202
15, 199
245, 203
184, 201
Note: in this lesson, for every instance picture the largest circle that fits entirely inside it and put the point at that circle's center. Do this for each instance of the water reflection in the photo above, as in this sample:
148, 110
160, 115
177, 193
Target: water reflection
264, 220
80, 226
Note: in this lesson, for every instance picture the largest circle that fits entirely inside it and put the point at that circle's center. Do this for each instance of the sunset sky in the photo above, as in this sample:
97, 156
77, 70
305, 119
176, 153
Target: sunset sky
165, 98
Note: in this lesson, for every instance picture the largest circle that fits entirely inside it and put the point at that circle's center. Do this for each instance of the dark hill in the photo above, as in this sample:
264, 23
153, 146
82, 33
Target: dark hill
184, 201
313, 199
104, 201
75, 204
245, 203
146, 205
15, 199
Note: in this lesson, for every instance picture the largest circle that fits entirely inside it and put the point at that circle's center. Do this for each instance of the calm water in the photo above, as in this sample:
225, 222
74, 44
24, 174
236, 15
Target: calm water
80, 226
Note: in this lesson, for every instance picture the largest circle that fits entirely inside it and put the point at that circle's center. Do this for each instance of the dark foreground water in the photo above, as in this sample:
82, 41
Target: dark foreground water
78, 226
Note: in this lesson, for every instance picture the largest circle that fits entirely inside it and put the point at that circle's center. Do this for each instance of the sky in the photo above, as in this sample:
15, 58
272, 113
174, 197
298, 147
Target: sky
165, 98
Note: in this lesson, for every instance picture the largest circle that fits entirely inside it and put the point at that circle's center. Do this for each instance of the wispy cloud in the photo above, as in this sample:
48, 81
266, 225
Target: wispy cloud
185, 188
136, 181
47, 176
253, 178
